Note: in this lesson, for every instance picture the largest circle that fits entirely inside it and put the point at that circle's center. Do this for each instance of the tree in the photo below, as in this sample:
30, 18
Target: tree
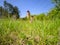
16, 11
8, 7
57, 3
11, 9
1, 11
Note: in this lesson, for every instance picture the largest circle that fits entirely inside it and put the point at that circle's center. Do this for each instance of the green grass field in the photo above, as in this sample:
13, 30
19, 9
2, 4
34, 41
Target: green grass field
21, 32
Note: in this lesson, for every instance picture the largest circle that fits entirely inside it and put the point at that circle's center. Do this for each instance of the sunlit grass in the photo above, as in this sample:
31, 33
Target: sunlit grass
36, 33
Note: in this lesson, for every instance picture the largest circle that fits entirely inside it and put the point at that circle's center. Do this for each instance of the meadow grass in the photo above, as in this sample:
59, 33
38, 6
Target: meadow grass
18, 32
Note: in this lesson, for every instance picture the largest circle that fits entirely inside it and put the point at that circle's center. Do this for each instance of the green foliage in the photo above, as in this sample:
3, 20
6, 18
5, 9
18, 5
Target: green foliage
3, 13
18, 32
40, 16
9, 10
16, 11
54, 13
57, 3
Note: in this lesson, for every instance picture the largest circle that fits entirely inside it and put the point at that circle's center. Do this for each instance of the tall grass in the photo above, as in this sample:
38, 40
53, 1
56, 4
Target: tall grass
18, 32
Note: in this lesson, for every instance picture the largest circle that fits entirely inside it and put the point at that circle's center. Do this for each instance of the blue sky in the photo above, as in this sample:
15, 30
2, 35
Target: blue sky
35, 6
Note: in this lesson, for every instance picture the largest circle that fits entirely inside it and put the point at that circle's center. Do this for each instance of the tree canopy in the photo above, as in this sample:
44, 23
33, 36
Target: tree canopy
9, 10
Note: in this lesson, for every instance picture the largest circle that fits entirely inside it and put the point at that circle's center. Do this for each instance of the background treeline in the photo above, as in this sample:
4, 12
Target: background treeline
9, 11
